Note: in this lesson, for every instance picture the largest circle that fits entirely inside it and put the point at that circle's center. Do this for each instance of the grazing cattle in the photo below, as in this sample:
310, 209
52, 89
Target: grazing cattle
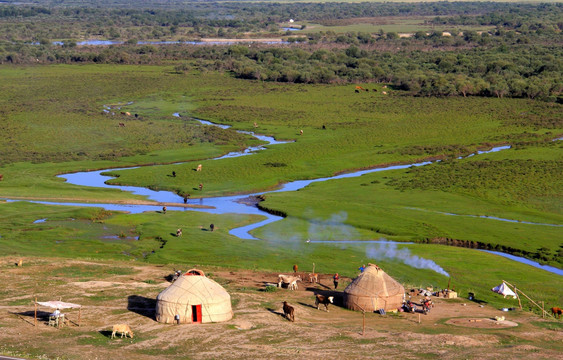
293, 285
123, 329
255, 125
1, 177
385, 86
556, 312
123, 113
127, 113
313, 278
384, 93
178, 232
198, 167
300, 132
295, 268
288, 311
325, 300
357, 91
164, 209
19, 263
288, 279
200, 187
121, 124
212, 227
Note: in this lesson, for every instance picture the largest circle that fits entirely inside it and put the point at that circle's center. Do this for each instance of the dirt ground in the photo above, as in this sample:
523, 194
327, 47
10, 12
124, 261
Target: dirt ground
453, 328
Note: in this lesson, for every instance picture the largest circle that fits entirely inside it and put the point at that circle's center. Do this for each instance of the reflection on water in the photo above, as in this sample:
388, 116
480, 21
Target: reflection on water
527, 261
207, 42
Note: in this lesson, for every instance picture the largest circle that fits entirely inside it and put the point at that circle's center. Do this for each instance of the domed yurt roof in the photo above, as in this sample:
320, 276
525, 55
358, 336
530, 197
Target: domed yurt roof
373, 290
193, 298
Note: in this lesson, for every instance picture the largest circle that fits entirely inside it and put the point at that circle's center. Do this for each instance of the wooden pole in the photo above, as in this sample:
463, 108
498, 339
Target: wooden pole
519, 302
542, 310
527, 297
79, 310
364, 323
419, 318
35, 317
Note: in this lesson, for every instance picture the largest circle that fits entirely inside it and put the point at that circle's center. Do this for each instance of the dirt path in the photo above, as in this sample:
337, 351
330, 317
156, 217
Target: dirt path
125, 292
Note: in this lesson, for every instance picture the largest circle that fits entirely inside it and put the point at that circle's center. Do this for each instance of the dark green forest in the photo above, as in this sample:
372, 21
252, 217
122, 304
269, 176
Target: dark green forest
520, 55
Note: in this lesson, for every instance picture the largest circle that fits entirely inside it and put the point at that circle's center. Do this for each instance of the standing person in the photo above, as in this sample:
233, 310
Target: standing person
164, 209
362, 268
200, 186
336, 278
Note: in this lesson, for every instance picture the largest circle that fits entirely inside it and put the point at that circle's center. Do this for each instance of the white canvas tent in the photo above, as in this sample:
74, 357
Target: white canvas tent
504, 290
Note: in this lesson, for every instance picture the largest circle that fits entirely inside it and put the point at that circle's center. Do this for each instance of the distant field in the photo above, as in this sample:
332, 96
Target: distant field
385, 24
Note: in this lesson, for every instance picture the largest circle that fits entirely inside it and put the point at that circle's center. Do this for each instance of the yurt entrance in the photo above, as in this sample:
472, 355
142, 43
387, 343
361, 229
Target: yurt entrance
196, 314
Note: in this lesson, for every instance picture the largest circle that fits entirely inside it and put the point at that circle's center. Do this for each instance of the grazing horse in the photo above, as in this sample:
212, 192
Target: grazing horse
121, 124
556, 312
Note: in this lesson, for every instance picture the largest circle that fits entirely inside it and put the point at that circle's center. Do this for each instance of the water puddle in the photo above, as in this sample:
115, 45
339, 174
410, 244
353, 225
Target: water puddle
39, 221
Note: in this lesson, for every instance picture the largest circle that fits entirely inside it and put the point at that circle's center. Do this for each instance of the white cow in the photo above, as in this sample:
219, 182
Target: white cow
290, 280
123, 329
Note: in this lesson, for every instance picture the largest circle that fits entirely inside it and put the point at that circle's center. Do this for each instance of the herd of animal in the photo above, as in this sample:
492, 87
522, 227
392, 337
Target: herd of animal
290, 281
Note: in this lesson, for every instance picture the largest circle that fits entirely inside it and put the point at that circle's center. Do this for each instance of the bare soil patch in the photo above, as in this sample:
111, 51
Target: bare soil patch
258, 328
482, 323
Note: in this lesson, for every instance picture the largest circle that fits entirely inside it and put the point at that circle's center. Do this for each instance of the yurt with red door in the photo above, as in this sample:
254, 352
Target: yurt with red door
193, 298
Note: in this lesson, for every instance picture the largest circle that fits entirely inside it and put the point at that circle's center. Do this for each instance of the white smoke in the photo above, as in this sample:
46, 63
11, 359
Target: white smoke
333, 228
388, 251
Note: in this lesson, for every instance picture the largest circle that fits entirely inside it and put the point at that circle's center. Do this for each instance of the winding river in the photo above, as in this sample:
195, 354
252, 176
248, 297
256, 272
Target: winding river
235, 204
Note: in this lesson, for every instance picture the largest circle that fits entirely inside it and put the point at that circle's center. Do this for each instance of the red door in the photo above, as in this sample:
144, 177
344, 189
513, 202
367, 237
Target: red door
196, 313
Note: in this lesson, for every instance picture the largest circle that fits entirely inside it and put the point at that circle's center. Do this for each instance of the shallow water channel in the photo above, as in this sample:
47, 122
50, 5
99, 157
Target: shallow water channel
233, 204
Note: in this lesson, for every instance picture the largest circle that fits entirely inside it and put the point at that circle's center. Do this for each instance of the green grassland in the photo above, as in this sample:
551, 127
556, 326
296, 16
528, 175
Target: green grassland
52, 121
94, 234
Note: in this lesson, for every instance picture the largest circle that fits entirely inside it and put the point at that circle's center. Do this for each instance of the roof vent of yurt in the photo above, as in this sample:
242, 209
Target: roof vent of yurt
194, 272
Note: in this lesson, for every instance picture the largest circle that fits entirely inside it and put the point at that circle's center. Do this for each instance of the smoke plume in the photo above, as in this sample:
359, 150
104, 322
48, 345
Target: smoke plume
389, 251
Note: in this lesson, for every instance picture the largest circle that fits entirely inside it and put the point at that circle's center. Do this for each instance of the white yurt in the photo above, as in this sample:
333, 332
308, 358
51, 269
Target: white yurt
193, 298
